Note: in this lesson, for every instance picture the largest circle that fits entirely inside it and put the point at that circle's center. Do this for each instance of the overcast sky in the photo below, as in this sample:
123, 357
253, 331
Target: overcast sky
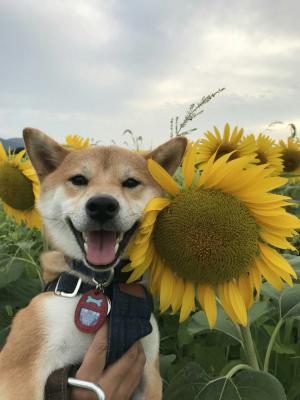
98, 67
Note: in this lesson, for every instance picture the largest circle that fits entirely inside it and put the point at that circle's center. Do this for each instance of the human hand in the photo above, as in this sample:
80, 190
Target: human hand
119, 380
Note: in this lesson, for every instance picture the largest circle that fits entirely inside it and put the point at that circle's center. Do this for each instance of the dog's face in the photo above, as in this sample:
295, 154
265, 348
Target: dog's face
93, 199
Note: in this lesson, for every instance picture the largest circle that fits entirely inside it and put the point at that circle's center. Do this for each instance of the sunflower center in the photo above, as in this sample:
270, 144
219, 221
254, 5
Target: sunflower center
206, 236
225, 149
262, 157
15, 188
291, 160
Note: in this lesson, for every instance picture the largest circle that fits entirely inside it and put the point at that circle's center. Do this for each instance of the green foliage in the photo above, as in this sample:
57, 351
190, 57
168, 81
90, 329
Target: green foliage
20, 277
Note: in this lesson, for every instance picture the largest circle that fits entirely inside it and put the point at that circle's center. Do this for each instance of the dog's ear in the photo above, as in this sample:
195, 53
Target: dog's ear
169, 155
45, 154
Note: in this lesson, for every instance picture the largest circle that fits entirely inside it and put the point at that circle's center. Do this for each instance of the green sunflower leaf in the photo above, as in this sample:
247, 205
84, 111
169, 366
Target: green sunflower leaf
10, 272
192, 383
289, 302
260, 309
198, 324
187, 383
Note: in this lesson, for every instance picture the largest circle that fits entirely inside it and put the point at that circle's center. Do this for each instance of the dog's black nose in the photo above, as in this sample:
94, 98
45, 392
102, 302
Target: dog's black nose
102, 208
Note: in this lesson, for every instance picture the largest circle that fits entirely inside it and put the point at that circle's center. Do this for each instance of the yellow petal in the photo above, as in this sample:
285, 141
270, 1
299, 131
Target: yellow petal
178, 294
270, 276
188, 301
222, 290
285, 276
163, 178
149, 219
188, 166
18, 157
206, 172
136, 274
237, 303
255, 278
275, 258
279, 263
210, 305
155, 275
166, 289
157, 204
276, 241
218, 171
200, 290
246, 289
226, 133
218, 135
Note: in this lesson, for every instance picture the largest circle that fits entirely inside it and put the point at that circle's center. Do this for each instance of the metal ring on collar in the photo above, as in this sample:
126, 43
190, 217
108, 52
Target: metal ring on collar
107, 282
87, 385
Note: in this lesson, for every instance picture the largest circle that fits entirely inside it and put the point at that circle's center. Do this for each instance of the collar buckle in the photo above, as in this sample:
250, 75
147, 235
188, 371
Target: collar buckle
68, 295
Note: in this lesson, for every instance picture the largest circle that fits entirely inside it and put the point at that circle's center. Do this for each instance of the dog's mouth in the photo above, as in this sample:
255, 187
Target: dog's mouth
101, 249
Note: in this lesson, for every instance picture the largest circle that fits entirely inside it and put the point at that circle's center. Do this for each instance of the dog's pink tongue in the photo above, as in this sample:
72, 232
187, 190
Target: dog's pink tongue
101, 247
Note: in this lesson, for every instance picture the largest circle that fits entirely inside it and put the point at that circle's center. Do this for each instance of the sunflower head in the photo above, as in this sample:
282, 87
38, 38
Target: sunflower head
19, 188
290, 155
214, 236
77, 142
217, 144
268, 152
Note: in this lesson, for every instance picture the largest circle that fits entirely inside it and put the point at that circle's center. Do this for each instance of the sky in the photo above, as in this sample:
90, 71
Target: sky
99, 67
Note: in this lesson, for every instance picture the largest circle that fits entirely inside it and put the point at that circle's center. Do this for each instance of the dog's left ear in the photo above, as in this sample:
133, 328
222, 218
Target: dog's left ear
169, 155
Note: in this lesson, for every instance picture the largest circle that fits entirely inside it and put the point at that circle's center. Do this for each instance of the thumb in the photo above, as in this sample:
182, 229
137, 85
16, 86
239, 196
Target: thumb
94, 360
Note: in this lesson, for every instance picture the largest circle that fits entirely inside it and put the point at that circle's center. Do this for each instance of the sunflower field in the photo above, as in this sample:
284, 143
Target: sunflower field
221, 249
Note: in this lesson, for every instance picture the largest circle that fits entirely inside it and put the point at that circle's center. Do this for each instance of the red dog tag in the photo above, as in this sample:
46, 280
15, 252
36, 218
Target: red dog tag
91, 311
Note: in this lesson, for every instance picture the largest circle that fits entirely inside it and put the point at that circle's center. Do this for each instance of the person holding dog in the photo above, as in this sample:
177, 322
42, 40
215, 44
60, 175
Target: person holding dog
118, 382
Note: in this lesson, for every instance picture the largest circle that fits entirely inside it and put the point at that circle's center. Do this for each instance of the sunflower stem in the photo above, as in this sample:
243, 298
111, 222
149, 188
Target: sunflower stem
249, 347
236, 369
271, 344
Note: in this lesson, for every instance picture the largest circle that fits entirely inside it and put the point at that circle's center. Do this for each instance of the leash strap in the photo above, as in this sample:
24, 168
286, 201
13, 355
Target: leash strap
129, 319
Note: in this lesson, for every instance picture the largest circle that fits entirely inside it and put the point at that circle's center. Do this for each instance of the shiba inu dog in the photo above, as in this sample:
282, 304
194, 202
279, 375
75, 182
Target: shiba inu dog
91, 202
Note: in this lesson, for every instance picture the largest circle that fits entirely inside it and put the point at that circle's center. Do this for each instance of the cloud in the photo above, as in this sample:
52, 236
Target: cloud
98, 67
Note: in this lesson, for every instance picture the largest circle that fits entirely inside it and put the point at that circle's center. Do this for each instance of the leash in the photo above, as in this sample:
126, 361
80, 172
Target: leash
129, 305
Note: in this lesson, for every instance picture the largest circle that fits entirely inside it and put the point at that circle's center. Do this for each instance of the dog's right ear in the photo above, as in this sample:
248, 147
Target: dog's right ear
45, 154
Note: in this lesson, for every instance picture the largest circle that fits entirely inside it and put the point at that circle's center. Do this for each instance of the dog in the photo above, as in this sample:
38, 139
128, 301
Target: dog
91, 202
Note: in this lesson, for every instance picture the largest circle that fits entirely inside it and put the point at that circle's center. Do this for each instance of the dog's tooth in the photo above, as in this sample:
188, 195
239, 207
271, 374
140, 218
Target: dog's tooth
120, 237
116, 247
85, 246
84, 235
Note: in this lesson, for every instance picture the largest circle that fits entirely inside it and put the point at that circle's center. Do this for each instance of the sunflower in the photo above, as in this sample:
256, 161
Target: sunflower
291, 156
215, 143
268, 152
77, 142
214, 237
19, 188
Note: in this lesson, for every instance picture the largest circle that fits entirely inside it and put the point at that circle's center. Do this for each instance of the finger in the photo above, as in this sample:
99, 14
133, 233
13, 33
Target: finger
95, 358
133, 378
116, 373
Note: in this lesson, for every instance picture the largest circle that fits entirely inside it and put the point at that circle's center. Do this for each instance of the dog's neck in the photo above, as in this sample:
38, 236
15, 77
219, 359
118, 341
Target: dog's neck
55, 263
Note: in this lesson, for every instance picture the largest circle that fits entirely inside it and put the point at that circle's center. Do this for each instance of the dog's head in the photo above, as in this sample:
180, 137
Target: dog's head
92, 200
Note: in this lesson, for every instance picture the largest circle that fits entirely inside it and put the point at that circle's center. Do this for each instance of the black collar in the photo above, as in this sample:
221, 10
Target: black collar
70, 285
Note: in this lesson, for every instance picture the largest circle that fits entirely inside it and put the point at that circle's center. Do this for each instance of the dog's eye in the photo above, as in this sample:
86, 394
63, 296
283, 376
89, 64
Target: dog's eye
131, 183
78, 180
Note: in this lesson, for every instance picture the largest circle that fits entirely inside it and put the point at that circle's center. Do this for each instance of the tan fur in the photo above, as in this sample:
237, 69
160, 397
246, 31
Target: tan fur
35, 336
20, 357
53, 264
